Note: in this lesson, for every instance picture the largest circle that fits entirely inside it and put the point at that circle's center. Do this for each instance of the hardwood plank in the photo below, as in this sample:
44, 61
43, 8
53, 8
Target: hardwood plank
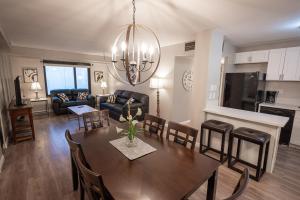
41, 169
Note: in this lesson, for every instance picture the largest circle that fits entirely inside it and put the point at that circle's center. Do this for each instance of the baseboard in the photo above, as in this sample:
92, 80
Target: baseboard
1, 162
295, 146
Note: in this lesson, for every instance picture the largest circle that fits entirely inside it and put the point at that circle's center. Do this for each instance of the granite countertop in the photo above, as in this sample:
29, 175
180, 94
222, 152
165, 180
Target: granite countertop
279, 105
261, 118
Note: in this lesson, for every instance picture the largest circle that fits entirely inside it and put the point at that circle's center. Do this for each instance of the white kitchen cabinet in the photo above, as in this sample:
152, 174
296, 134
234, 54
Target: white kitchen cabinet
291, 64
260, 56
276, 64
295, 137
252, 57
242, 58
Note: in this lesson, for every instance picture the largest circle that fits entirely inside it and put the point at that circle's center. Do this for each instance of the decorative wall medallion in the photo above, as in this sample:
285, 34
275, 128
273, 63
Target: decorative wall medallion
187, 80
98, 75
30, 75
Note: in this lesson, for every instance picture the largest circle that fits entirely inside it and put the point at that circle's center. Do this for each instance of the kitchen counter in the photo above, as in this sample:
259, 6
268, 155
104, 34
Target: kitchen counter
270, 124
279, 105
261, 118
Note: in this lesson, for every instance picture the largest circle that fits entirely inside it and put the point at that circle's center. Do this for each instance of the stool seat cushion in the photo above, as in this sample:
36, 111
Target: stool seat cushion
252, 134
218, 126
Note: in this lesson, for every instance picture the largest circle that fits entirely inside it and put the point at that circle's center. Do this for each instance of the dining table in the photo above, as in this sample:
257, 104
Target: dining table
172, 172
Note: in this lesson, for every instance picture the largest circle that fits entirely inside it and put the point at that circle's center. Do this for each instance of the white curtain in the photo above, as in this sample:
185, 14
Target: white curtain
6, 93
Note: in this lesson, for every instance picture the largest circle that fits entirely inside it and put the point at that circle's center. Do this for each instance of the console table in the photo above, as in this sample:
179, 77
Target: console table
21, 128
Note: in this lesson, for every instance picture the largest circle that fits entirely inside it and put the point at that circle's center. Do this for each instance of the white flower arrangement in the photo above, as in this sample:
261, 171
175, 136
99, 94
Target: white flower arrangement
132, 130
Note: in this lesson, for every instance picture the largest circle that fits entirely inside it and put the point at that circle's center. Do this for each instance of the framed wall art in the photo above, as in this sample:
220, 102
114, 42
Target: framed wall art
30, 75
98, 75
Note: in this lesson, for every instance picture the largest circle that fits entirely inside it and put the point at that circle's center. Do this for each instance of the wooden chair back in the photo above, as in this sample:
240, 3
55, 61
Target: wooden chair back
154, 124
241, 185
96, 119
74, 147
182, 134
94, 185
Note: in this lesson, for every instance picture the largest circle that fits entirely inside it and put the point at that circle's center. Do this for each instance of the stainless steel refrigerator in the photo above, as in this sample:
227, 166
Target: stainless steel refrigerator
244, 91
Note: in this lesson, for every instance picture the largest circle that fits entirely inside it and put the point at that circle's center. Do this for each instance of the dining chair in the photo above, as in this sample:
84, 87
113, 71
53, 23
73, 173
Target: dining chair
94, 185
74, 147
182, 134
154, 124
96, 119
241, 185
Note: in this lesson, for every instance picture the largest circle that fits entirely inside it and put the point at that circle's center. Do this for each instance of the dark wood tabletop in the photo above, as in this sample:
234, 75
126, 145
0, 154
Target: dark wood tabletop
170, 173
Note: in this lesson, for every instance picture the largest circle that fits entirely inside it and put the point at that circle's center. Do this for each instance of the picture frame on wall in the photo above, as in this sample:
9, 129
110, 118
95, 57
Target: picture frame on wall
98, 76
30, 75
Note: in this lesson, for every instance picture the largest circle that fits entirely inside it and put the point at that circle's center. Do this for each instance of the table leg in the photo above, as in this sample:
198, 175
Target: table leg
78, 121
13, 124
31, 124
212, 186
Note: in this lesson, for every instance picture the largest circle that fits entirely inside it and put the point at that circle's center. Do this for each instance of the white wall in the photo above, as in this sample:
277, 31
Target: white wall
21, 62
181, 98
207, 59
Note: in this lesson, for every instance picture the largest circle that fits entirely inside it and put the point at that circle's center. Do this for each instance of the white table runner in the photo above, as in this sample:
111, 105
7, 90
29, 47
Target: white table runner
132, 153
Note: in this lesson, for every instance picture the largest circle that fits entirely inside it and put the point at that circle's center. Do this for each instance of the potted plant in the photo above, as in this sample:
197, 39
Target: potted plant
132, 122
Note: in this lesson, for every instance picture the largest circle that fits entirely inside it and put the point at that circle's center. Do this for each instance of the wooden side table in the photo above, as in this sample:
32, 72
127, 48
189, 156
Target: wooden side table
20, 129
99, 96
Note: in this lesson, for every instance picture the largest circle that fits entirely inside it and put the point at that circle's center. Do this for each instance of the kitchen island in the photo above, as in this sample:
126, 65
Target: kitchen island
270, 124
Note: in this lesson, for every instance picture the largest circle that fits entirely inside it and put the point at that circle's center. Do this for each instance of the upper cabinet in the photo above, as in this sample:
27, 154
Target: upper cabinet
284, 64
291, 64
275, 64
252, 57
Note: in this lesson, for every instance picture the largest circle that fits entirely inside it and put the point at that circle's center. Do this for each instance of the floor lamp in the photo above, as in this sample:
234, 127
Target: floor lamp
156, 83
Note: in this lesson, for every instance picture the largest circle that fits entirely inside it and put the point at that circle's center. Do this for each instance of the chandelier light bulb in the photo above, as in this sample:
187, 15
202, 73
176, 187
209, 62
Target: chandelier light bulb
123, 46
114, 54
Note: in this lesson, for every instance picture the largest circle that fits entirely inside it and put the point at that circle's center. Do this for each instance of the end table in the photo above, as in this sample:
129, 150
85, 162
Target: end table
36, 106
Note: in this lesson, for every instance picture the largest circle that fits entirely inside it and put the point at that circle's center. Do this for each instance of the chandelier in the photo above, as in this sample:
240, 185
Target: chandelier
135, 54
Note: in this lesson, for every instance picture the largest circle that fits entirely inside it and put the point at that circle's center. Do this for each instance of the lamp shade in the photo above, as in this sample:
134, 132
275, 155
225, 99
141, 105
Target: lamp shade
35, 86
103, 84
156, 83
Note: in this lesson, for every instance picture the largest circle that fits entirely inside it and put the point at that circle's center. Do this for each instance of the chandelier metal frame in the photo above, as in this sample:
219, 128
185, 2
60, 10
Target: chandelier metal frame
133, 68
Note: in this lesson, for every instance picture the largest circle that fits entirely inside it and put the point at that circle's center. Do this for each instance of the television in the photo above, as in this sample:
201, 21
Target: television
18, 92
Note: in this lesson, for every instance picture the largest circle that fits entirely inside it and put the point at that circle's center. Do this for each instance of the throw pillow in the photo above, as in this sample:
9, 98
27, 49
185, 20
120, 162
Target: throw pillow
111, 99
63, 97
82, 95
131, 100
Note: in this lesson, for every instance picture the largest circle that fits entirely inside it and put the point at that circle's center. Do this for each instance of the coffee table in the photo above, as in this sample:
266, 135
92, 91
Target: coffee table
79, 111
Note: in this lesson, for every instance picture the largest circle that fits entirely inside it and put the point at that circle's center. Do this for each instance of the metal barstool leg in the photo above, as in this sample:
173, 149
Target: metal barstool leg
258, 167
209, 139
222, 148
229, 153
201, 140
238, 149
266, 156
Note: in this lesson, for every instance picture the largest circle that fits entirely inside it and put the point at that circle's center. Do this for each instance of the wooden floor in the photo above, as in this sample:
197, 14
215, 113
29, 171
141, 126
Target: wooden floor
41, 170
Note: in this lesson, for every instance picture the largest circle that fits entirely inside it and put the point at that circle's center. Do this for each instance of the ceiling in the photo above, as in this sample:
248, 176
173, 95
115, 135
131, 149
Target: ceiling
90, 26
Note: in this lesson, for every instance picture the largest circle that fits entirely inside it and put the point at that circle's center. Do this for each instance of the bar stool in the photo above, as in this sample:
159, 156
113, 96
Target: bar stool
254, 136
219, 127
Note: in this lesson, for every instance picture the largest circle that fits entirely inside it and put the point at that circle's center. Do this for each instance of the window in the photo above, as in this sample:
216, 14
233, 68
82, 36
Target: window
64, 77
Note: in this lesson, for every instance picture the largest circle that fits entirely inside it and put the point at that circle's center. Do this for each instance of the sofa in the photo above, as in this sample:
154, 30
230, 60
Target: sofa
60, 107
120, 106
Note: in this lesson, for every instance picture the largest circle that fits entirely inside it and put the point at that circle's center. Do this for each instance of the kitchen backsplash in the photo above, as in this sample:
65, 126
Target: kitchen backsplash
289, 92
